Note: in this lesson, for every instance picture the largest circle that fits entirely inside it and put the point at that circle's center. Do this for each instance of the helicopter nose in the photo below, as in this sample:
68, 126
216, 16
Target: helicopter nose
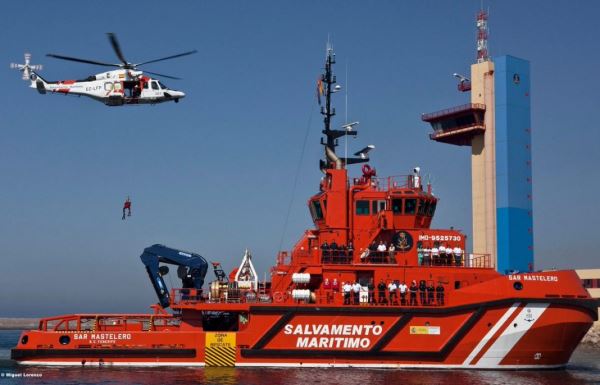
177, 94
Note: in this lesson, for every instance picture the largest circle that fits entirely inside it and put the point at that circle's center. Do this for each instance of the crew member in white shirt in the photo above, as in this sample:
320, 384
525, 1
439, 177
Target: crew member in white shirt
381, 250
435, 255
426, 257
346, 289
457, 256
392, 289
356, 291
403, 290
443, 259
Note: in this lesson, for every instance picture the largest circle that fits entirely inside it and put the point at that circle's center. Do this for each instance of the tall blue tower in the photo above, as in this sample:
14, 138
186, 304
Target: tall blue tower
513, 164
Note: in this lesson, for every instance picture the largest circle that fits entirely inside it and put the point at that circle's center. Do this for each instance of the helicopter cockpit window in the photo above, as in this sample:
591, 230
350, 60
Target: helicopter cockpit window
155, 85
162, 86
146, 85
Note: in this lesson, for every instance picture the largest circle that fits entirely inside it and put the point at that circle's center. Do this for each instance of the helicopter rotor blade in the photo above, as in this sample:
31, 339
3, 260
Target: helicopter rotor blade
167, 58
164, 76
69, 58
115, 44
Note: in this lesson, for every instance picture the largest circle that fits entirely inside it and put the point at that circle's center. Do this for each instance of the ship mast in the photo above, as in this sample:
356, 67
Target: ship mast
330, 142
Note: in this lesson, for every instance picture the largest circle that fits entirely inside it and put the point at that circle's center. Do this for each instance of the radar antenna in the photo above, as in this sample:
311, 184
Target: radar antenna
330, 142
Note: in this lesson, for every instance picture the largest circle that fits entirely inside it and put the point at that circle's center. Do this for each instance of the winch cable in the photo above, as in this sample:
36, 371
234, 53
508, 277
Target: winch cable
297, 175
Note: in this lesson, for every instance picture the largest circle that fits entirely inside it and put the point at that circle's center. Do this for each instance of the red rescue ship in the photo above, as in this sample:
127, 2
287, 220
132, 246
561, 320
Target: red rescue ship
371, 285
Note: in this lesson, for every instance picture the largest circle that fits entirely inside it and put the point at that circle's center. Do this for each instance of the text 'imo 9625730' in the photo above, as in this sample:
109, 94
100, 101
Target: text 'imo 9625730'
371, 285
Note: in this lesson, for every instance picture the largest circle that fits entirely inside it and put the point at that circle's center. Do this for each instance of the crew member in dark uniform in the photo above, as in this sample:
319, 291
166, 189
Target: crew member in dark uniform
439, 293
325, 252
381, 292
430, 293
371, 288
423, 292
413, 293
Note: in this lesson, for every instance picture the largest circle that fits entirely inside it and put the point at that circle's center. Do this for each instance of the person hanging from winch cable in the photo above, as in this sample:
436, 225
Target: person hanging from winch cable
126, 208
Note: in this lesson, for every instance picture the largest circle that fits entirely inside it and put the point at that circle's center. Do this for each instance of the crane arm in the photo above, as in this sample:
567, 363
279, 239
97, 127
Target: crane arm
192, 269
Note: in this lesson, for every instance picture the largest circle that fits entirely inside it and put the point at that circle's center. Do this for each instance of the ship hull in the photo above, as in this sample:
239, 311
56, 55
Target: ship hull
505, 334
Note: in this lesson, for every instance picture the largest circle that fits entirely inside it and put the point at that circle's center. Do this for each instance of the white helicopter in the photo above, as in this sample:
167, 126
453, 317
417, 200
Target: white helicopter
124, 86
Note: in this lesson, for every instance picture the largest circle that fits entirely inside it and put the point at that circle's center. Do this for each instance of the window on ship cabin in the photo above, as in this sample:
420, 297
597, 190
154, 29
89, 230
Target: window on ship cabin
316, 211
421, 210
432, 208
426, 208
397, 206
410, 206
362, 208
378, 206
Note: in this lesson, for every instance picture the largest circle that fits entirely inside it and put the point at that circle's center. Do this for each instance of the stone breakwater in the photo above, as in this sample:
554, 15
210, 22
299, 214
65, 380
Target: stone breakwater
18, 323
592, 338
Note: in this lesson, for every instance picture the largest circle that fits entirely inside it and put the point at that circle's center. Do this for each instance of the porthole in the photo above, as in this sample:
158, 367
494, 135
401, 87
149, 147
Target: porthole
24, 339
518, 286
64, 340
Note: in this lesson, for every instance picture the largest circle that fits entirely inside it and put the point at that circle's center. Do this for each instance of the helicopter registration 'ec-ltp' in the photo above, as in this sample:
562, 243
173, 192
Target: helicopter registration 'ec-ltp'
123, 86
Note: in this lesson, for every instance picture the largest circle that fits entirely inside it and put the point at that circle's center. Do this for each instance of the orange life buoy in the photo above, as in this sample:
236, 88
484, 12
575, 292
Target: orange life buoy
278, 296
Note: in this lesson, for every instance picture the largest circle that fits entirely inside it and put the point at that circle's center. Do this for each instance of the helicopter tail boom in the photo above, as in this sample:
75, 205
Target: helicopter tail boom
38, 82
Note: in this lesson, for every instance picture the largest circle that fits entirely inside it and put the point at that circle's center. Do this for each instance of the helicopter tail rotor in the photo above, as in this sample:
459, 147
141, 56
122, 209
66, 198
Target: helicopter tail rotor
27, 68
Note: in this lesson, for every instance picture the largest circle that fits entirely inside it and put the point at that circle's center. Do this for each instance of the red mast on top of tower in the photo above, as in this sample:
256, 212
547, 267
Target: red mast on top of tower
482, 36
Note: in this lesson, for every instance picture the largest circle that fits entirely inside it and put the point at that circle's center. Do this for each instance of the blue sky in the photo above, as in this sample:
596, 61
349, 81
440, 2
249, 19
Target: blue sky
214, 173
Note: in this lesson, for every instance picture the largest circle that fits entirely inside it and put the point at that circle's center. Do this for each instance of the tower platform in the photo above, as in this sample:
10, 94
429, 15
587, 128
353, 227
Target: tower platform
456, 125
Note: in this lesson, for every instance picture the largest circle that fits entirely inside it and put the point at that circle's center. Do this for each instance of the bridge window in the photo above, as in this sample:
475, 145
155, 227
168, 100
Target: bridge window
410, 206
316, 211
422, 204
426, 209
378, 206
397, 206
431, 210
362, 208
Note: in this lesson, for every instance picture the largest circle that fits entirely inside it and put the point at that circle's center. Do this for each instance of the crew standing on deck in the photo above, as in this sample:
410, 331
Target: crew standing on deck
381, 292
403, 289
423, 292
392, 287
371, 288
413, 293
346, 289
439, 293
442, 251
356, 292
426, 257
435, 256
457, 256
430, 293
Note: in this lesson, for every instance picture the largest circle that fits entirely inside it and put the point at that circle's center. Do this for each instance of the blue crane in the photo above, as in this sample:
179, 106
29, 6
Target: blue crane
192, 269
